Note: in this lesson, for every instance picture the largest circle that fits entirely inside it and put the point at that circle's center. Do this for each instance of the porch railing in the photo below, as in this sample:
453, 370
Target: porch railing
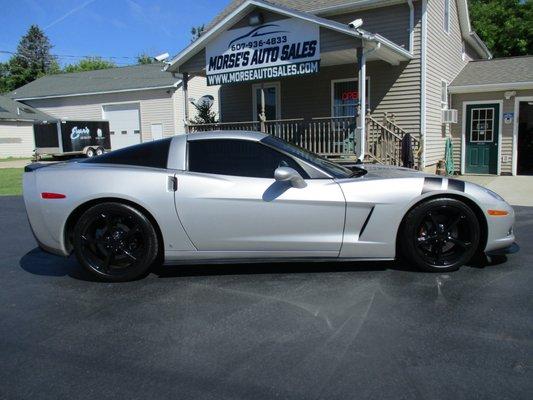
333, 137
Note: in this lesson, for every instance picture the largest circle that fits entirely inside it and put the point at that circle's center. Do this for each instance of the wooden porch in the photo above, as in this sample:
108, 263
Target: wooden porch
332, 137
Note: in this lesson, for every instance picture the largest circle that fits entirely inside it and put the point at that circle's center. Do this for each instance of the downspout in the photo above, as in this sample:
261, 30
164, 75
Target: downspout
411, 26
423, 71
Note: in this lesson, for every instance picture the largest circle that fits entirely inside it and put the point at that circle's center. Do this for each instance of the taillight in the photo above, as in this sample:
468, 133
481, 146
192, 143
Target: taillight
48, 195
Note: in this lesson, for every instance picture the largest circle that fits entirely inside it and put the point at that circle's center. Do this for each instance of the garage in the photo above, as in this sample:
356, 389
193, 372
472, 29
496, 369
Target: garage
124, 124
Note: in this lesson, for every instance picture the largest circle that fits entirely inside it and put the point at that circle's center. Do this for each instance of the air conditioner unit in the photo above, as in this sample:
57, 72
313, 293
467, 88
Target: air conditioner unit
449, 116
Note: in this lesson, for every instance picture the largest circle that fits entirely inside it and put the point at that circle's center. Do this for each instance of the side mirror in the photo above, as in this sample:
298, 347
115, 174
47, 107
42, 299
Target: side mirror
288, 174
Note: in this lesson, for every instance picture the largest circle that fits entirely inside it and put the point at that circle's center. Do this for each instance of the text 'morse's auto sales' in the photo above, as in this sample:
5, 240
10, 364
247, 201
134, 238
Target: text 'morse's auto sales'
284, 48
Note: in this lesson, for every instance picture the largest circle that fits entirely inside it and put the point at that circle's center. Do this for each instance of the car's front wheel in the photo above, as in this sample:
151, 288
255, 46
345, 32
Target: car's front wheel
440, 235
115, 242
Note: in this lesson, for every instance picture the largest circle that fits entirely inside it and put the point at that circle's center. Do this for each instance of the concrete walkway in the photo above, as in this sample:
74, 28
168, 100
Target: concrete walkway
15, 163
516, 190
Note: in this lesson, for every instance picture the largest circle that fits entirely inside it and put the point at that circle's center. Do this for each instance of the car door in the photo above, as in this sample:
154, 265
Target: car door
228, 200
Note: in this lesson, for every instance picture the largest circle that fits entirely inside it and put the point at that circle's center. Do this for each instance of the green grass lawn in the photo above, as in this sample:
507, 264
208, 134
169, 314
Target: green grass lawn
11, 181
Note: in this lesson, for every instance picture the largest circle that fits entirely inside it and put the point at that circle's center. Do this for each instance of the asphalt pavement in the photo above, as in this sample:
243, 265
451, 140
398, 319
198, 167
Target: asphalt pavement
288, 331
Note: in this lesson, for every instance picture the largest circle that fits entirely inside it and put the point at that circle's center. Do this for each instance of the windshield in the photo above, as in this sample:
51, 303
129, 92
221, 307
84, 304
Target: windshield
335, 170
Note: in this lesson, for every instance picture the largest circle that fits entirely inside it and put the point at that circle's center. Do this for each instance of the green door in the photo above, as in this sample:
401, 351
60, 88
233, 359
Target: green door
482, 131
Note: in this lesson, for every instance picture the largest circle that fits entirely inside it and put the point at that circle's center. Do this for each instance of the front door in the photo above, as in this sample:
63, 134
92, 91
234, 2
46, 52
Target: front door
525, 138
482, 132
272, 100
229, 201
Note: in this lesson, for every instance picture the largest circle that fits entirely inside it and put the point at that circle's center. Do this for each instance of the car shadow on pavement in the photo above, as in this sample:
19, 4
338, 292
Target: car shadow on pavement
38, 262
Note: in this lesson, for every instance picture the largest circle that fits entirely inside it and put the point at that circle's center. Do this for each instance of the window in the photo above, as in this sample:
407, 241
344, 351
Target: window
150, 154
444, 94
238, 158
446, 22
345, 97
482, 127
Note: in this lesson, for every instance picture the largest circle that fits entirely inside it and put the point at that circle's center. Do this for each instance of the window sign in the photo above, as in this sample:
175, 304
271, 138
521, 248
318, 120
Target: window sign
346, 98
282, 48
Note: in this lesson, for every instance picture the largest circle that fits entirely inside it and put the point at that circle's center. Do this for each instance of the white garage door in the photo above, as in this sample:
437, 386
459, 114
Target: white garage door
124, 124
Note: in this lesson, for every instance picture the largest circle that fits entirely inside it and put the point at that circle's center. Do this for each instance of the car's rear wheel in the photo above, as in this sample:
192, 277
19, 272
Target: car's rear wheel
115, 242
440, 235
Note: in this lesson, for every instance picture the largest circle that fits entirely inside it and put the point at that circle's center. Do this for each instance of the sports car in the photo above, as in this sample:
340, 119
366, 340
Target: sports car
226, 197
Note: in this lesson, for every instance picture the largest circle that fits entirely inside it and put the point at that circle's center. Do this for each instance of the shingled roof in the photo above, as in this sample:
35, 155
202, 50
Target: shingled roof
12, 110
299, 5
101, 81
498, 71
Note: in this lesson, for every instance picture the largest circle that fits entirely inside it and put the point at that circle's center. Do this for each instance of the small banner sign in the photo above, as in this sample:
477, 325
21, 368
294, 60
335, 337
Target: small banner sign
287, 47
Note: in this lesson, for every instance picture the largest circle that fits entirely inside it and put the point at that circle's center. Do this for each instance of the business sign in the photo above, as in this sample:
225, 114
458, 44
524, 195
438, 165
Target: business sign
288, 47
76, 135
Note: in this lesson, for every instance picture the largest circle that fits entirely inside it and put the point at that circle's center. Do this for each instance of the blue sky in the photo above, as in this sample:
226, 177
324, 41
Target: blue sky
119, 28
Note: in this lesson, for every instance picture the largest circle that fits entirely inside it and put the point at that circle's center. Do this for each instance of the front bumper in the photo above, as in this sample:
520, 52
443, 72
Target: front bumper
514, 248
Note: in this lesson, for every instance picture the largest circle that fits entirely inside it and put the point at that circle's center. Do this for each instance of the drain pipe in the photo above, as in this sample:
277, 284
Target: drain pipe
411, 26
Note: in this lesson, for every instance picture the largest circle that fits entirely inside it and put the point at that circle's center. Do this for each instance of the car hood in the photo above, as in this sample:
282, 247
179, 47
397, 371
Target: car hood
378, 171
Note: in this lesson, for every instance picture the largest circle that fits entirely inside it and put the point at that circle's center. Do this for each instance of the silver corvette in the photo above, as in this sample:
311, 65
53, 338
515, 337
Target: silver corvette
248, 197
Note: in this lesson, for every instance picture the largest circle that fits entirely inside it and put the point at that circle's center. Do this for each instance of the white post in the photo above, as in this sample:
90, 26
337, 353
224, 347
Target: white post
361, 119
262, 116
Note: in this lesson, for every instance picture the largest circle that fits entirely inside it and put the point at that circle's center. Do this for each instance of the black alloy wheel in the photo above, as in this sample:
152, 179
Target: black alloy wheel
441, 235
115, 242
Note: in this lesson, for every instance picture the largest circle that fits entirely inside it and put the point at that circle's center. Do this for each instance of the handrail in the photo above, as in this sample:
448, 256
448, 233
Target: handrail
329, 136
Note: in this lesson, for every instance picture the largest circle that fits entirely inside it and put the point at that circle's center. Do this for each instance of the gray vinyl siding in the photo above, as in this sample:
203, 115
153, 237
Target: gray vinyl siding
156, 106
444, 62
334, 41
507, 129
391, 22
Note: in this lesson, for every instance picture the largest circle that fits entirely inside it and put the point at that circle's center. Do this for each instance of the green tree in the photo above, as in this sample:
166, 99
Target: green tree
31, 61
506, 26
89, 64
196, 32
144, 58
205, 115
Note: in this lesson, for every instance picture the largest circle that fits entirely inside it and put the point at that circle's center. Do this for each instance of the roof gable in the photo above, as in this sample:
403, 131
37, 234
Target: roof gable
13, 110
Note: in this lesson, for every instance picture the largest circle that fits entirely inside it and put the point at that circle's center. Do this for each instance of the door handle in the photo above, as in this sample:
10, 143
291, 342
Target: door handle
172, 184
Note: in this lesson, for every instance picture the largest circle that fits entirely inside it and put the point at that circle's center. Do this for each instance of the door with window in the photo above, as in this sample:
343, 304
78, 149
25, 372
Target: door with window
228, 200
482, 133
272, 101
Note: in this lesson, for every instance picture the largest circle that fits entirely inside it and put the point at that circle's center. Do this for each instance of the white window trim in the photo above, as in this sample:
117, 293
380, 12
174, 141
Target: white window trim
266, 85
446, 17
517, 101
463, 132
444, 105
333, 81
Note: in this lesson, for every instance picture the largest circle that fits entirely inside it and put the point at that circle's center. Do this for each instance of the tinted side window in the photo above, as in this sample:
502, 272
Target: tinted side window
237, 158
151, 154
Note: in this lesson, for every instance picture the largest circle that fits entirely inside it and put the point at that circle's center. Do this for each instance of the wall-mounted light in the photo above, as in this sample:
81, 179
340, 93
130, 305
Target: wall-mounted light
255, 19
509, 94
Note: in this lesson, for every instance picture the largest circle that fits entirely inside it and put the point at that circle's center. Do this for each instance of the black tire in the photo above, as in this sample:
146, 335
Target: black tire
115, 242
440, 235
99, 151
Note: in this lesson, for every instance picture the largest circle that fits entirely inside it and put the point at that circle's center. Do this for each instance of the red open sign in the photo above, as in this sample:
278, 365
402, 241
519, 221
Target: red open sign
350, 95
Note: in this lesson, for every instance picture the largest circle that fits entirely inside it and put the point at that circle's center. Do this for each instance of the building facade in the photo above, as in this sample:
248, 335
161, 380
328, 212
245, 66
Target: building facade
16, 127
407, 52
